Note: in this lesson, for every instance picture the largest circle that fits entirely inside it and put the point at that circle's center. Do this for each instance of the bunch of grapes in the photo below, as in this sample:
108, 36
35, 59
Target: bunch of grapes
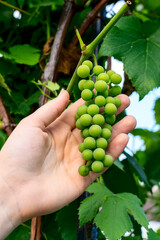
96, 117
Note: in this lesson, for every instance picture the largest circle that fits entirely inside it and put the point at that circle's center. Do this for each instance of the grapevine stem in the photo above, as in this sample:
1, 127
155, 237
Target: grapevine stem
94, 60
90, 48
82, 45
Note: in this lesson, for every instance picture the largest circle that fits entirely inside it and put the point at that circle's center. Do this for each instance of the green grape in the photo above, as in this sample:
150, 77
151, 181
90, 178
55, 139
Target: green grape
101, 143
83, 170
85, 120
105, 93
100, 86
81, 110
117, 101
85, 133
79, 125
83, 71
89, 84
110, 109
88, 63
76, 116
110, 73
99, 154
107, 126
89, 143
114, 91
86, 94
104, 77
98, 119
87, 154
110, 100
116, 78
110, 119
81, 147
108, 161
93, 109
100, 101
97, 166
81, 83
95, 130
88, 103
106, 133
98, 69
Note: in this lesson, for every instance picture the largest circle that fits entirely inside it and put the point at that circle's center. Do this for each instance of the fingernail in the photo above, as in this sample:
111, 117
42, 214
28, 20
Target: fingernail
61, 92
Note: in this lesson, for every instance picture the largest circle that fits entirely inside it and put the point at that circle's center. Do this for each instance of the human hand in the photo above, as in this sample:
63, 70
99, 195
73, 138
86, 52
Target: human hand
40, 160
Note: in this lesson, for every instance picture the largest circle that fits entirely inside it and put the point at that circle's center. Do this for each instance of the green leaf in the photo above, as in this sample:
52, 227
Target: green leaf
157, 111
20, 233
152, 235
152, 4
146, 133
4, 85
3, 138
21, 2
52, 86
113, 218
138, 46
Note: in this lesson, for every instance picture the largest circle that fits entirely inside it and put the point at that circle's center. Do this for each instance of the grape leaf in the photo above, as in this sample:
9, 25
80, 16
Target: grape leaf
3, 138
146, 133
21, 2
20, 232
138, 46
152, 235
157, 111
113, 218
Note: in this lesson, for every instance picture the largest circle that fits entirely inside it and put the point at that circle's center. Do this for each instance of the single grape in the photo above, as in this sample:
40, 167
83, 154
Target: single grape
86, 94
110, 73
81, 110
110, 109
98, 69
89, 143
88, 63
85, 133
117, 101
83, 71
100, 86
83, 170
116, 78
106, 133
100, 101
76, 116
81, 83
108, 161
110, 100
99, 154
95, 130
97, 166
103, 76
87, 154
89, 84
98, 119
79, 125
110, 119
105, 93
114, 91
101, 143
107, 126
93, 109
81, 147
85, 120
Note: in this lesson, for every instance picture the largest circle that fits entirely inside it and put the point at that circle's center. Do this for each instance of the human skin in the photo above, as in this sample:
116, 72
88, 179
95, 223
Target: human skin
39, 162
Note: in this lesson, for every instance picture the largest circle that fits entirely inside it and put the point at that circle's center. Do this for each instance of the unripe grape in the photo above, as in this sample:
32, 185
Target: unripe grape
105, 93
116, 78
81, 83
110, 100
110, 73
108, 161
95, 130
81, 110
117, 101
100, 101
101, 143
83, 170
110, 109
89, 84
106, 133
87, 103
89, 143
93, 109
97, 166
98, 69
85, 133
114, 91
81, 147
100, 86
111, 119
103, 76
99, 154
85, 120
98, 119
83, 71
86, 94
79, 125
76, 116
88, 63
87, 154
107, 126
